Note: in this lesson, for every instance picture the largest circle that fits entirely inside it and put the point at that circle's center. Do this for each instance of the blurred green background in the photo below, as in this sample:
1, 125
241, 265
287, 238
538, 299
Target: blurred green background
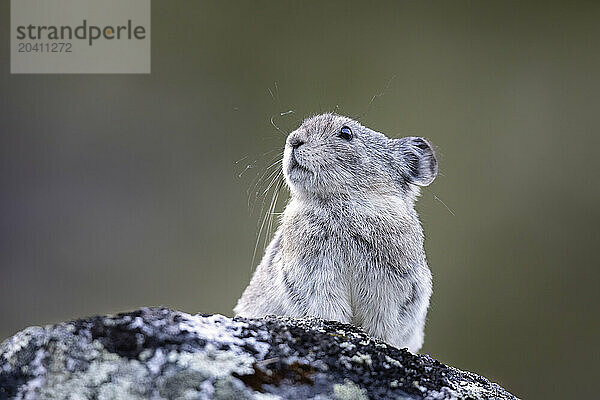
123, 191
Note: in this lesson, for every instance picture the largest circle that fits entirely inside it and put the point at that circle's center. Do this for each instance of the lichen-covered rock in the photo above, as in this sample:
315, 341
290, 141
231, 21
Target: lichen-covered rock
162, 354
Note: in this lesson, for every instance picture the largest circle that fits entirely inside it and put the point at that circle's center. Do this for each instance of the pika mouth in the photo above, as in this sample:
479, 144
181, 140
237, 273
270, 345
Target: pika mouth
295, 165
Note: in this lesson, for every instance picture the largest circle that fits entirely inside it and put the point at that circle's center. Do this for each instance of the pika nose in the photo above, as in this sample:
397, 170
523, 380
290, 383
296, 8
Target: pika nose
295, 143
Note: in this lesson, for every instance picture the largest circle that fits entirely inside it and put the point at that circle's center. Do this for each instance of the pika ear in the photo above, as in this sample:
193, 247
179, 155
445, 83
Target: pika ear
417, 159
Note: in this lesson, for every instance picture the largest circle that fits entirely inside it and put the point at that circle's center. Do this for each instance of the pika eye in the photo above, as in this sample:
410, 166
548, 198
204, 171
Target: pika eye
346, 133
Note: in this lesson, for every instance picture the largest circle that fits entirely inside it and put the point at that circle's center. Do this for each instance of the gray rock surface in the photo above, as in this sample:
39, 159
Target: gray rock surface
156, 353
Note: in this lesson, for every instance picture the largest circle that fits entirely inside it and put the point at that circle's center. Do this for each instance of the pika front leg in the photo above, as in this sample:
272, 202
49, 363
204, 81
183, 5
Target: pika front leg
395, 312
319, 294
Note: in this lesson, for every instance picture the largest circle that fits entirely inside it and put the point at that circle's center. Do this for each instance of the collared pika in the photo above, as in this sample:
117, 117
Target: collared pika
350, 244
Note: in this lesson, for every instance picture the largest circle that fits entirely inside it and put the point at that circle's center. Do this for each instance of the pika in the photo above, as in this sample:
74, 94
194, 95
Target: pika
350, 245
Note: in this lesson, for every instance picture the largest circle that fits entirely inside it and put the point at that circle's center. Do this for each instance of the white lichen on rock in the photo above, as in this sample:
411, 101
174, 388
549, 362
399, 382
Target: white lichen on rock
349, 391
362, 359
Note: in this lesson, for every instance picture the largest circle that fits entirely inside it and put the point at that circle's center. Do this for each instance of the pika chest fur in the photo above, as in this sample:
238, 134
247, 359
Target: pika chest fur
350, 245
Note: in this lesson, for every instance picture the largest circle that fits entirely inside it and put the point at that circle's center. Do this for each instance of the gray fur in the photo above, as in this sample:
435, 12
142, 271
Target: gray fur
350, 245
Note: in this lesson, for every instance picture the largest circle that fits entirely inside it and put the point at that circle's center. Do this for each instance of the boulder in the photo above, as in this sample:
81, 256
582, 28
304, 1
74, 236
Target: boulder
157, 353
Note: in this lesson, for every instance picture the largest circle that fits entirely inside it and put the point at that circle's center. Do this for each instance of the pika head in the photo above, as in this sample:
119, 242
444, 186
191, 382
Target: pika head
330, 155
